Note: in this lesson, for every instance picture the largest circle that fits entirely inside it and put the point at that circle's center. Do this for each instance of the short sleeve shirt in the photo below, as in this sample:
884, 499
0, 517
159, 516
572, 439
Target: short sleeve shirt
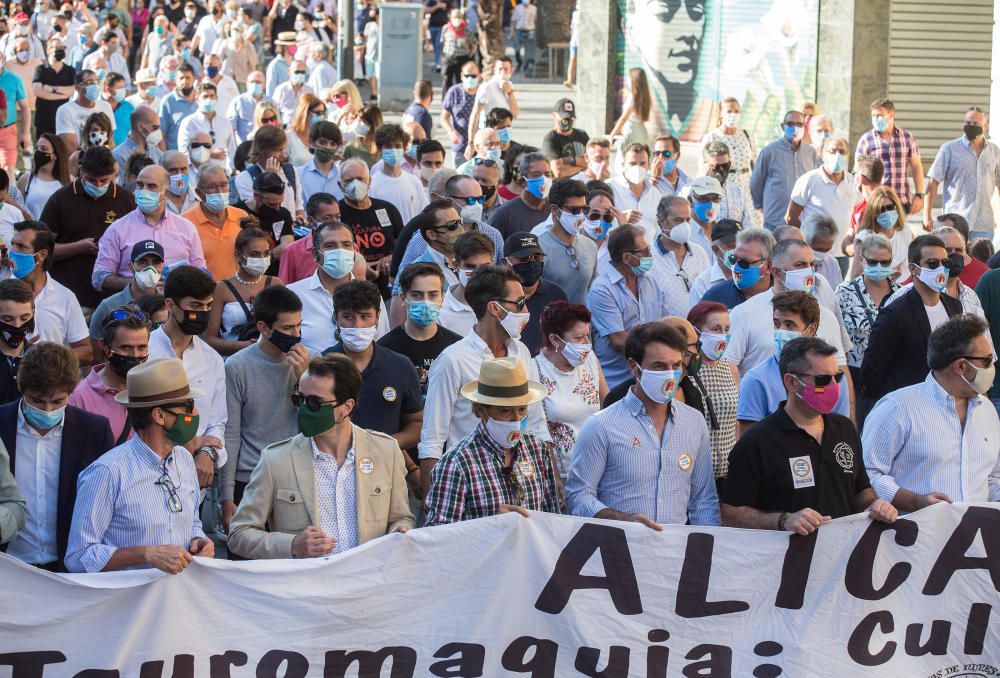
573, 145
45, 109
776, 466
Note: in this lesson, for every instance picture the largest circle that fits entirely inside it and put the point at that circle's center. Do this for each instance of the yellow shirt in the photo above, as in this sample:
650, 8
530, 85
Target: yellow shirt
219, 245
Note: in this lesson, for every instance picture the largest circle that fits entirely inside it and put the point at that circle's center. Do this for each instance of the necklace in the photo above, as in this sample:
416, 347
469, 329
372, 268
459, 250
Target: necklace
248, 282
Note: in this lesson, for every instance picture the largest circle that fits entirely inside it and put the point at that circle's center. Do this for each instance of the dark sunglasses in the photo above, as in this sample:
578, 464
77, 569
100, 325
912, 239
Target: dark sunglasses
823, 379
489, 162
573, 210
469, 199
313, 403
878, 262
664, 154
746, 263
201, 144
449, 226
269, 119
793, 124
125, 314
931, 263
520, 303
603, 216
988, 359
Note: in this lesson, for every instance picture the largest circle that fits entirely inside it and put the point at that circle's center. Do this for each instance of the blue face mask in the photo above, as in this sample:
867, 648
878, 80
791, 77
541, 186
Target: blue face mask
504, 135
147, 201
879, 123
256, 89
216, 201
493, 154
668, 165
298, 78
316, 119
645, 265
42, 419
705, 210
392, 156
746, 277
94, 191
782, 337
21, 264
423, 313
338, 263
93, 92
790, 131
211, 71
179, 184
877, 271
411, 152
185, 54
887, 219
538, 187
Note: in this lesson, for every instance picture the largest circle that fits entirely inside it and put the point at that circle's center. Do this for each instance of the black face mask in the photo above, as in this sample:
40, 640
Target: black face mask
488, 192
529, 271
283, 342
58, 54
972, 131
955, 264
566, 124
121, 364
187, 91
12, 335
193, 322
40, 158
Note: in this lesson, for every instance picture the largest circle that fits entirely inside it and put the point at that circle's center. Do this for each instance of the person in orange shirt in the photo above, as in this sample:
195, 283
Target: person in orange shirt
216, 220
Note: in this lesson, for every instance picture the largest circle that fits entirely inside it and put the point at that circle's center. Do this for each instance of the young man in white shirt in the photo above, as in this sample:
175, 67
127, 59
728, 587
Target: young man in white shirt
473, 251
207, 119
498, 92
72, 114
391, 183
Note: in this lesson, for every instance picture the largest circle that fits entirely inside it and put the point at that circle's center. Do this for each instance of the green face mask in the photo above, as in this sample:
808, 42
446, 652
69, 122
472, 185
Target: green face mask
185, 428
313, 423
694, 364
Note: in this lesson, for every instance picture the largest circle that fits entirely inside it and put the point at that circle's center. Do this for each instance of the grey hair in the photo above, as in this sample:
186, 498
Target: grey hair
354, 162
761, 236
667, 202
528, 159
170, 155
949, 230
438, 180
209, 167
817, 224
716, 147
784, 249
875, 241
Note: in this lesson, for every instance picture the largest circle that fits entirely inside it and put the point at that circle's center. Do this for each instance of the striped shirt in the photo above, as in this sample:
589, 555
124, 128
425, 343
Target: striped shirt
895, 154
119, 504
472, 481
913, 439
620, 463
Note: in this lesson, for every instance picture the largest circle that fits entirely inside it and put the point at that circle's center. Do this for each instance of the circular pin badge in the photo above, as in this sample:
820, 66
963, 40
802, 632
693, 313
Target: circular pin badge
366, 465
800, 467
389, 394
684, 461
527, 468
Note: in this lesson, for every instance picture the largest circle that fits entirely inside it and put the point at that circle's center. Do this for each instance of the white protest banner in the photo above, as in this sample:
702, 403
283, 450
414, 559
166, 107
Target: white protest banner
544, 597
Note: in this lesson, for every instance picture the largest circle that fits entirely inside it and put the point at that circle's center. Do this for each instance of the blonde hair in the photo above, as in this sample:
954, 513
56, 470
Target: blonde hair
642, 100
811, 108
263, 108
354, 101
869, 219
722, 104
300, 119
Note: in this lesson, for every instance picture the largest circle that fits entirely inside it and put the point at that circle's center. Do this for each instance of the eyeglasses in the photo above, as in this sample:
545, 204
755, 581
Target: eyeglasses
644, 252
663, 154
603, 216
931, 263
519, 303
746, 263
489, 162
313, 403
449, 226
684, 279
823, 379
469, 199
511, 479
187, 406
574, 263
887, 208
269, 119
201, 144
170, 488
987, 359
574, 210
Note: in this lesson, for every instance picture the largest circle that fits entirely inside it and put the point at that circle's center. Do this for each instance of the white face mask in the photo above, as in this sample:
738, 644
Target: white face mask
154, 138
575, 354
471, 214
730, 119
634, 174
257, 265
361, 129
506, 434
801, 280
147, 278
357, 339
463, 276
200, 154
935, 278
983, 380
714, 345
514, 323
660, 385
570, 223
679, 233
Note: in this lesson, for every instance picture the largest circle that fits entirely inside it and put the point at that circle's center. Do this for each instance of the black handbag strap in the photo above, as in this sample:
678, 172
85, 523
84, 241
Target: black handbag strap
239, 300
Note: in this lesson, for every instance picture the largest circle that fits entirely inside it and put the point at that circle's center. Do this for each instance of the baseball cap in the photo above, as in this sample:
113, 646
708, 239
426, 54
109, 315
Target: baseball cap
565, 108
521, 244
706, 186
268, 182
144, 247
22, 18
726, 229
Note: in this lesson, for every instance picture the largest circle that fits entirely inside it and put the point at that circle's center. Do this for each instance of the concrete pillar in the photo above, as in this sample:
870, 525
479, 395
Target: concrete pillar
595, 68
852, 61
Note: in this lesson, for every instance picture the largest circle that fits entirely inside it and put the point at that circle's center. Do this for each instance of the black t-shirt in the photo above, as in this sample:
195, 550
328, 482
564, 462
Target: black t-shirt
375, 231
45, 110
275, 223
547, 292
776, 466
439, 17
421, 353
572, 145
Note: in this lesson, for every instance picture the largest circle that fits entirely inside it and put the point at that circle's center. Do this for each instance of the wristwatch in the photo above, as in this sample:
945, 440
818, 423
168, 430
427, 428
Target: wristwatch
781, 521
212, 453
918, 195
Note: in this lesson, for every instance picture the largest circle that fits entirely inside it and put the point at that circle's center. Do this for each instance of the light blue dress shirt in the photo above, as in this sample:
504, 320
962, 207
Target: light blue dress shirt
761, 391
968, 181
173, 110
277, 73
620, 463
777, 168
240, 115
313, 181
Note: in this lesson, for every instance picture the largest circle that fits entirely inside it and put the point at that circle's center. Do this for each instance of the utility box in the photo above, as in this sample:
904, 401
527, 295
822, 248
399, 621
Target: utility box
401, 53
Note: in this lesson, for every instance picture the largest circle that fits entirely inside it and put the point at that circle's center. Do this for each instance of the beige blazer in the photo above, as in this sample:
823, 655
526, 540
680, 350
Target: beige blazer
280, 500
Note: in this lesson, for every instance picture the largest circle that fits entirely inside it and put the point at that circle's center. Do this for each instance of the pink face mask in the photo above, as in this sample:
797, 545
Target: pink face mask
821, 398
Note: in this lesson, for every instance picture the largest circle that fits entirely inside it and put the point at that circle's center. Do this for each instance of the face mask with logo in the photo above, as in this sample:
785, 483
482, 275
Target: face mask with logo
283, 342
147, 278
801, 280
21, 264
42, 419
121, 364
634, 174
504, 135
680, 233
793, 133
596, 229
147, 201
338, 263
424, 313
575, 354
184, 428
14, 336
935, 278
706, 210
514, 323
216, 202
660, 385
179, 184
834, 163
570, 222
714, 345
298, 78
97, 138
746, 277
879, 123
356, 190
193, 322
392, 156
983, 381
823, 399
256, 265
357, 339
877, 272
644, 267
782, 337
530, 272
538, 187
506, 434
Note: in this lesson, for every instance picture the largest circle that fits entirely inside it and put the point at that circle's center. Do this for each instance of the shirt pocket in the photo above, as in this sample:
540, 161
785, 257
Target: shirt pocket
289, 513
377, 506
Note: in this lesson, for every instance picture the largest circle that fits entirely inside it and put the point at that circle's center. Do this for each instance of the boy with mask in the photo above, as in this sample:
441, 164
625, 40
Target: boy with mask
147, 278
17, 320
122, 345
390, 183
333, 466
163, 534
255, 378
518, 474
472, 251
49, 442
189, 292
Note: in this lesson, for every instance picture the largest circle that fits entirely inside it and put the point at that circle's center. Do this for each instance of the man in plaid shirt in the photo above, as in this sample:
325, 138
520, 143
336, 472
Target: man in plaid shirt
499, 467
899, 153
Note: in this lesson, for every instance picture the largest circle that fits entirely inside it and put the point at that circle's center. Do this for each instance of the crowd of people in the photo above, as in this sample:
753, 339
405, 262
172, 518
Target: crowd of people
232, 290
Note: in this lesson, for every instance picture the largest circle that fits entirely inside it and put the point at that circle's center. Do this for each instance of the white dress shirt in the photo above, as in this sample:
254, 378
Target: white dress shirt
287, 99
814, 191
645, 204
913, 439
205, 372
218, 128
448, 417
336, 497
37, 476
58, 316
317, 314
676, 279
456, 316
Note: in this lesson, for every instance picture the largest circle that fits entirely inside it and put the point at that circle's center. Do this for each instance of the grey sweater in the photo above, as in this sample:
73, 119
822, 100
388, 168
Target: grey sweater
260, 411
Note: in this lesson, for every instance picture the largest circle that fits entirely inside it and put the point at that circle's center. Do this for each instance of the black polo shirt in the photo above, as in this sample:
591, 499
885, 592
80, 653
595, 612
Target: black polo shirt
776, 466
421, 353
390, 388
547, 292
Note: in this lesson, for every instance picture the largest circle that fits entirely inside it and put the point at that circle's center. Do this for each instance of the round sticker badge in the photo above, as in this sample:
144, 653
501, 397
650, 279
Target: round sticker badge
389, 394
527, 468
366, 465
684, 461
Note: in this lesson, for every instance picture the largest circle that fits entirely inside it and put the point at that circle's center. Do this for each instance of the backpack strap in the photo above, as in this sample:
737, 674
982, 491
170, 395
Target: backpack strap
239, 300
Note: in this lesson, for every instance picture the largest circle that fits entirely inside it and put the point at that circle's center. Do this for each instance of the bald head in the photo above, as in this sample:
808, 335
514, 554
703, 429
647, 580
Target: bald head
682, 325
154, 175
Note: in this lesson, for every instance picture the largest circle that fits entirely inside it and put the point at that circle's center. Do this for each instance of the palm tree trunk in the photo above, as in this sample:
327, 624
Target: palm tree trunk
491, 43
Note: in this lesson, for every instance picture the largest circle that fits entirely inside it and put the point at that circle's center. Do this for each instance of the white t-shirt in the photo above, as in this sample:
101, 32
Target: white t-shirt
936, 314
58, 316
405, 192
371, 41
71, 116
9, 215
814, 191
491, 95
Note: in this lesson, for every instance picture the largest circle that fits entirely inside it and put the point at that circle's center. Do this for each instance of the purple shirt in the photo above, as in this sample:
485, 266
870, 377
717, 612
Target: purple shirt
96, 397
179, 238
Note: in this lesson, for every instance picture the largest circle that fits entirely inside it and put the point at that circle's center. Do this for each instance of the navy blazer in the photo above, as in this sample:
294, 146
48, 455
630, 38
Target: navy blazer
897, 347
86, 436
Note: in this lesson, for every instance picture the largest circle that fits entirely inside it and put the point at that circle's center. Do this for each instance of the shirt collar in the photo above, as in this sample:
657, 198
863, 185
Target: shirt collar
941, 396
95, 382
490, 446
148, 456
317, 455
636, 407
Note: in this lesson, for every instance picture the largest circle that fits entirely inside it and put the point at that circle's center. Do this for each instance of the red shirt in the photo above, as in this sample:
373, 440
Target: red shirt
859, 211
973, 271
297, 261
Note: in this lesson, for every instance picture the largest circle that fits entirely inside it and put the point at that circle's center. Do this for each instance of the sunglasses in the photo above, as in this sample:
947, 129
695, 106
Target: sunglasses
489, 162
931, 263
519, 303
746, 263
573, 210
794, 124
823, 379
313, 403
987, 359
125, 314
201, 144
878, 262
270, 120
469, 199
450, 226
603, 216
170, 488
664, 154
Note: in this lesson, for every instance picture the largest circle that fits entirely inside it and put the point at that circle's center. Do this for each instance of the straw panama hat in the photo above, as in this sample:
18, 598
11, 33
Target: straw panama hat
286, 38
157, 382
504, 382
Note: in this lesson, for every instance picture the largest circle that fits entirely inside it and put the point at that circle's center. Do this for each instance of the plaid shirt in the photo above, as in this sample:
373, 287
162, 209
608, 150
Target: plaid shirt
471, 480
895, 154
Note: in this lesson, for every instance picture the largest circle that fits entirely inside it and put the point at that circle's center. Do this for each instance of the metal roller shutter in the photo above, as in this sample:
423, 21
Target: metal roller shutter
939, 65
